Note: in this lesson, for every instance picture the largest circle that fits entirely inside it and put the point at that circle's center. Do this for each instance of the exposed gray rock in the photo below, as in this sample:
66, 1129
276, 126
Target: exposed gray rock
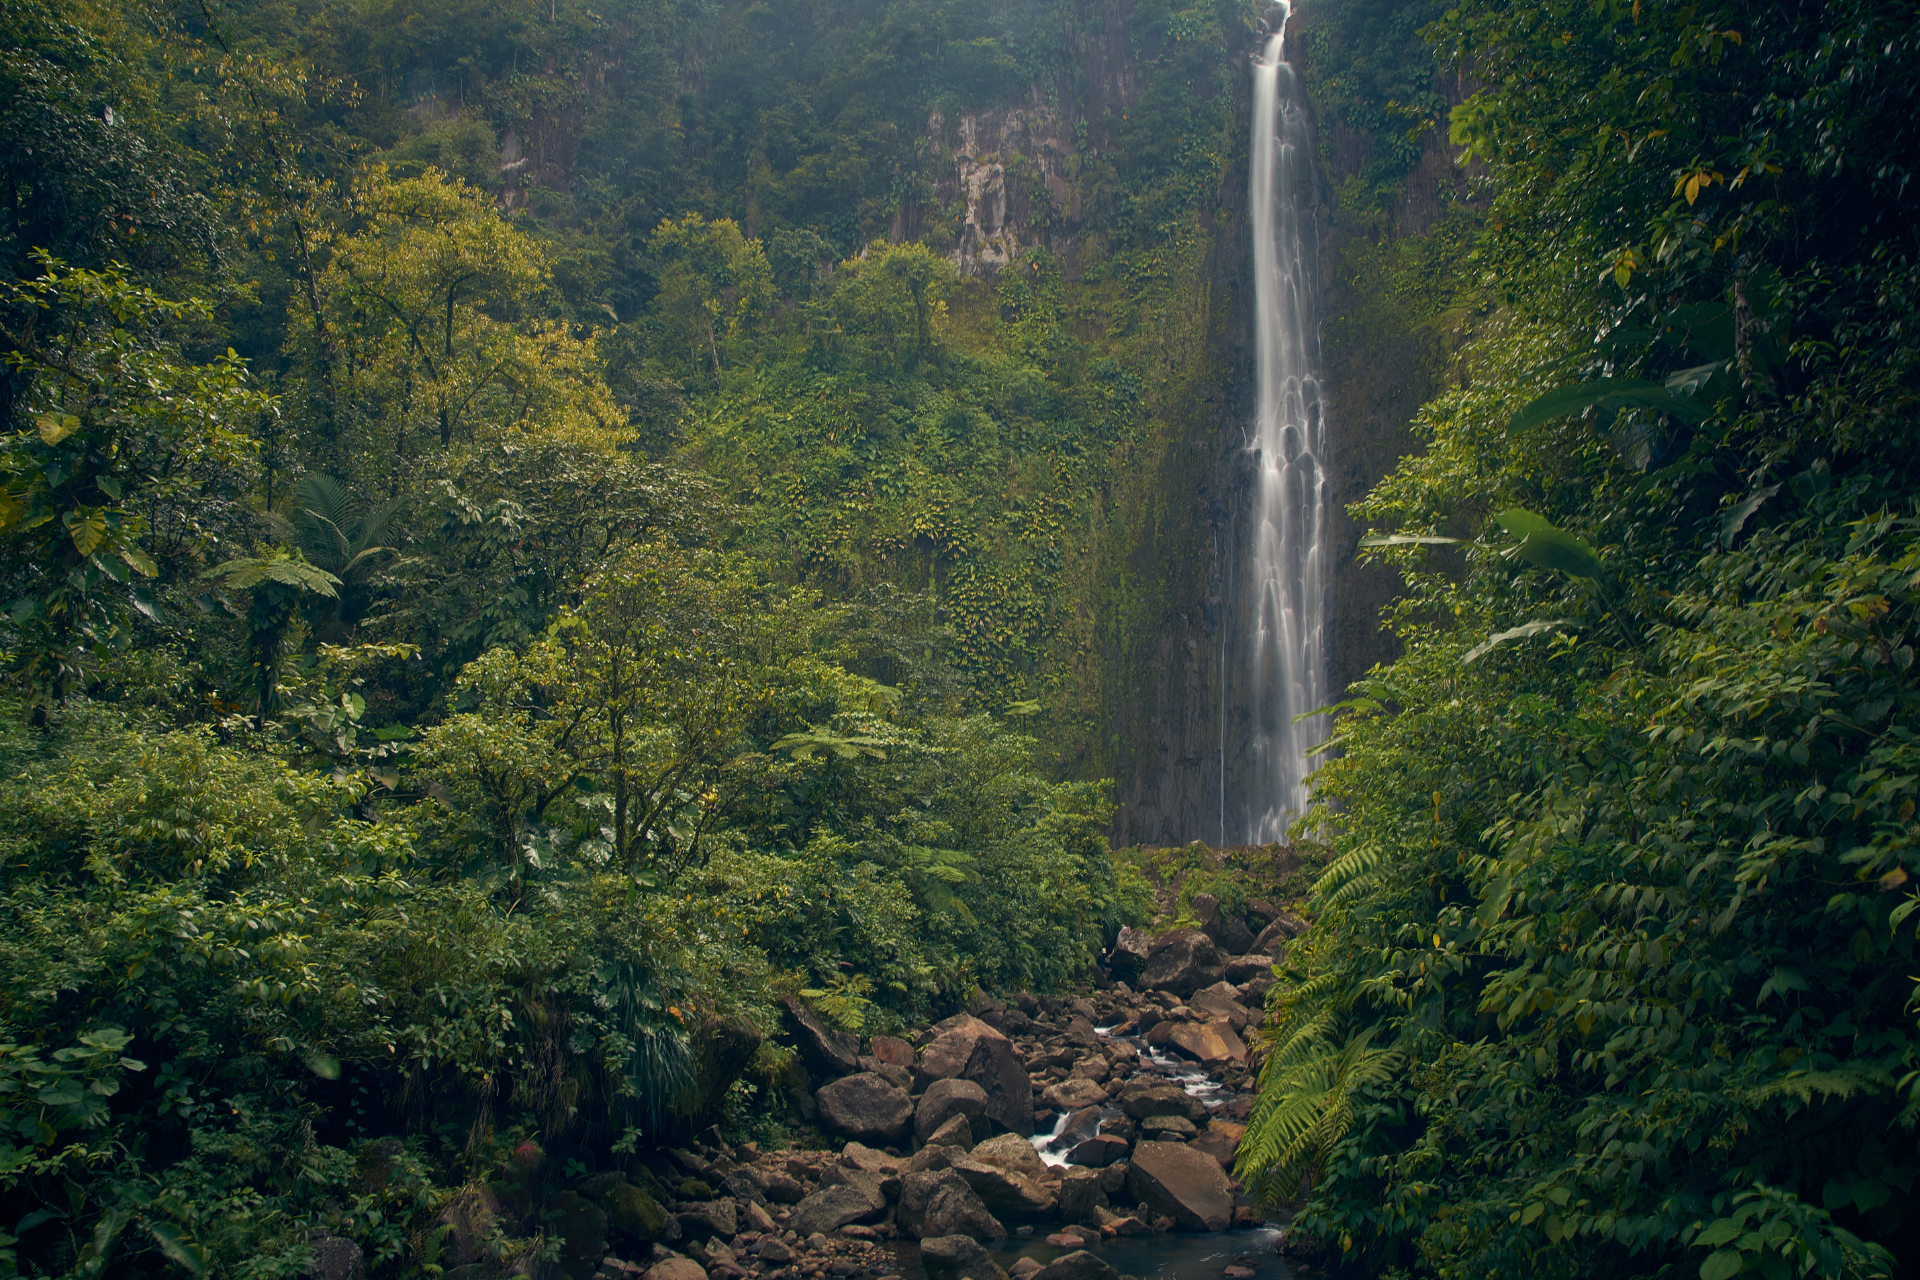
336, 1258
827, 1053
952, 1257
966, 1048
1128, 959
942, 1204
1147, 1099
1182, 961
945, 1098
1003, 1192
1081, 1195
865, 1106
1073, 1094
833, 1207
956, 1132
1014, 1154
1242, 968
1183, 1184
704, 1218
1078, 1265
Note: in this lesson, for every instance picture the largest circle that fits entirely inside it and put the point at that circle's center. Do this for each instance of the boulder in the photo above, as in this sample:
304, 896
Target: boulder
1182, 961
954, 1257
1167, 1129
336, 1258
940, 1203
1128, 958
864, 1106
1023, 1268
1274, 938
1221, 1000
1014, 1154
893, 1051
933, 1157
1099, 1152
827, 1053
1181, 1183
945, 1098
1081, 1196
1003, 1192
704, 1219
1236, 939
1205, 908
676, 1269
1213, 1043
1243, 968
956, 1131
1073, 1094
965, 1048
884, 1187
1221, 1141
1144, 1099
783, 1188
1080, 1032
632, 1212
856, 1155
1078, 1265
832, 1208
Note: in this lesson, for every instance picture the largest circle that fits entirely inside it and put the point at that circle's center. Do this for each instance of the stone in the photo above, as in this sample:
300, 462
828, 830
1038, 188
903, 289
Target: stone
827, 1053
1178, 1182
966, 1048
336, 1258
942, 1204
1003, 1192
1245, 968
1095, 1069
1014, 1154
1074, 1093
1128, 958
1080, 1032
945, 1098
884, 1187
1149, 1099
755, 1218
1221, 1141
1182, 961
1099, 1152
833, 1207
1081, 1196
783, 1188
1237, 1273
857, 1155
933, 1158
632, 1212
1274, 938
1023, 1267
864, 1106
1236, 939
1221, 1000
1156, 1128
1212, 1043
955, 1131
774, 1250
893, 1051
676, 1269
898, 1077
704, 1218
952, 1257
1078, 1265
1205, 908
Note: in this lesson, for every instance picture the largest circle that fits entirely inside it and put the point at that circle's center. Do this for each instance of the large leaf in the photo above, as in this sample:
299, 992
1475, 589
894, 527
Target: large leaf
1520, 632
1408, 540
1546, 547
1606, 393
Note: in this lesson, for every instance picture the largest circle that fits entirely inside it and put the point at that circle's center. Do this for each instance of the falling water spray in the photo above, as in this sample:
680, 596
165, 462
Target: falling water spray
1290, 520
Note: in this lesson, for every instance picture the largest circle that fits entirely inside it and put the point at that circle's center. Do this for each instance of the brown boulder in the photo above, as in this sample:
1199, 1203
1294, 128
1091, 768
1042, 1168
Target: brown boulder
1143, 1100
1182, 962
826, 1052
864, 1106
1004, 1192
945, 1098
1081, 1196
1244, 968
1221, 1141
1212, 1043
893, 1051
955, 1257
676, 1269
1099, 1152
832, 1208
1236, 939
966, 1048
1181, 1183
940, 1203
1128, 958
1074, 1093
1078, 1265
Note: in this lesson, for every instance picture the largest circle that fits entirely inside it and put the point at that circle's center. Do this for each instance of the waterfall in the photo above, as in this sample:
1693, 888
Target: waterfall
1290, 518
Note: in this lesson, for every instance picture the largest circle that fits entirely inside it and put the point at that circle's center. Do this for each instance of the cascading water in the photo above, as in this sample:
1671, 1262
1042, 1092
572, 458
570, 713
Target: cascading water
1288, 560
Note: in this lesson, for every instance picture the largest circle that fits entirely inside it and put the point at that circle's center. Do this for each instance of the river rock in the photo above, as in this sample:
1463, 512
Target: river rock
1274, 938
934, 1157
966, 1048
1221, 1141
1099, 1152
826, 1052
676, 1269
1080, 1032
1167, 1129
952, 1257
632, 1212
833, 1207
956, 1131
1235, 938
1128, 959
1146, 1099
884, 1187
1221, 1000
704, 1219
893, 1051
942, 1204
864, 1106
945, 1098
1074, 1093
1243, 968
1183, 1184
1213, 1043
1078, 1265
857, 1155
1003, 1192
1182, 961
1081, 1196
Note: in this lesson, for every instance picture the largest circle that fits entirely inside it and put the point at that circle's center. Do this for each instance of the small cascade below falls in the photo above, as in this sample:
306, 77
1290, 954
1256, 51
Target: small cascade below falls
1288, 570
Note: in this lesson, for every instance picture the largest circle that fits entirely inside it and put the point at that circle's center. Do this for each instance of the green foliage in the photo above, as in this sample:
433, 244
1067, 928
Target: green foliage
1630, 907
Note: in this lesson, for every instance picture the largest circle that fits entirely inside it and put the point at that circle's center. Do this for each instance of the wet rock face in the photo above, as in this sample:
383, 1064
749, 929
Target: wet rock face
1182, 962
1186, 1185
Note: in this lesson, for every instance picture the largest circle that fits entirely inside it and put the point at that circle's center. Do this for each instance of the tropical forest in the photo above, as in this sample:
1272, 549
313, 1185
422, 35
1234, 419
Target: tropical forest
959, 639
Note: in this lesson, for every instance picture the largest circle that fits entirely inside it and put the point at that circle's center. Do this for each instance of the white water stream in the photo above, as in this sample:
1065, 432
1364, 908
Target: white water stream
1289, 568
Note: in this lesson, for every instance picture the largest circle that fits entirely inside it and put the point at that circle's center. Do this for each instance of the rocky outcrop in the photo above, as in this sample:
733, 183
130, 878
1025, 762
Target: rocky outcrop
945, 1099
942, 1204
1187, 1186
1182, 961
827, 1053
966, 1048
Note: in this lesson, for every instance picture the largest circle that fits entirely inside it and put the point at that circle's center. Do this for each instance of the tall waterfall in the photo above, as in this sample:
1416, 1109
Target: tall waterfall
1288, 559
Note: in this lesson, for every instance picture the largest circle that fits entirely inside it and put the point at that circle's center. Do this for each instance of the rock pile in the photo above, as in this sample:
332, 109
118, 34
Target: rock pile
1139, 1098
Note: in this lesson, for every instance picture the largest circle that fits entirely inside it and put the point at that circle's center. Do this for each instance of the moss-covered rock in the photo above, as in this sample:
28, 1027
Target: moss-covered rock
632, 1212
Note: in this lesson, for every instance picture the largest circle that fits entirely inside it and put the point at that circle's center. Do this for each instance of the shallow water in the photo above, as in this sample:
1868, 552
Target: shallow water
1176, 1255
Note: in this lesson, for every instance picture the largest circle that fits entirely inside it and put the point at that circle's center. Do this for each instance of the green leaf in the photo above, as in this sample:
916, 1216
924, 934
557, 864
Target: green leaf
1545, 547
56, 427
1517, 633
1408, 540
324, 1065
1718, 1233
1720, 1265
1605, 393
176, 1249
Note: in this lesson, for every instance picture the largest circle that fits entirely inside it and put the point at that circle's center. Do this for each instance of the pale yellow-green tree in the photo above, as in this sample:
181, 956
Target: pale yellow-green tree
716, 284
